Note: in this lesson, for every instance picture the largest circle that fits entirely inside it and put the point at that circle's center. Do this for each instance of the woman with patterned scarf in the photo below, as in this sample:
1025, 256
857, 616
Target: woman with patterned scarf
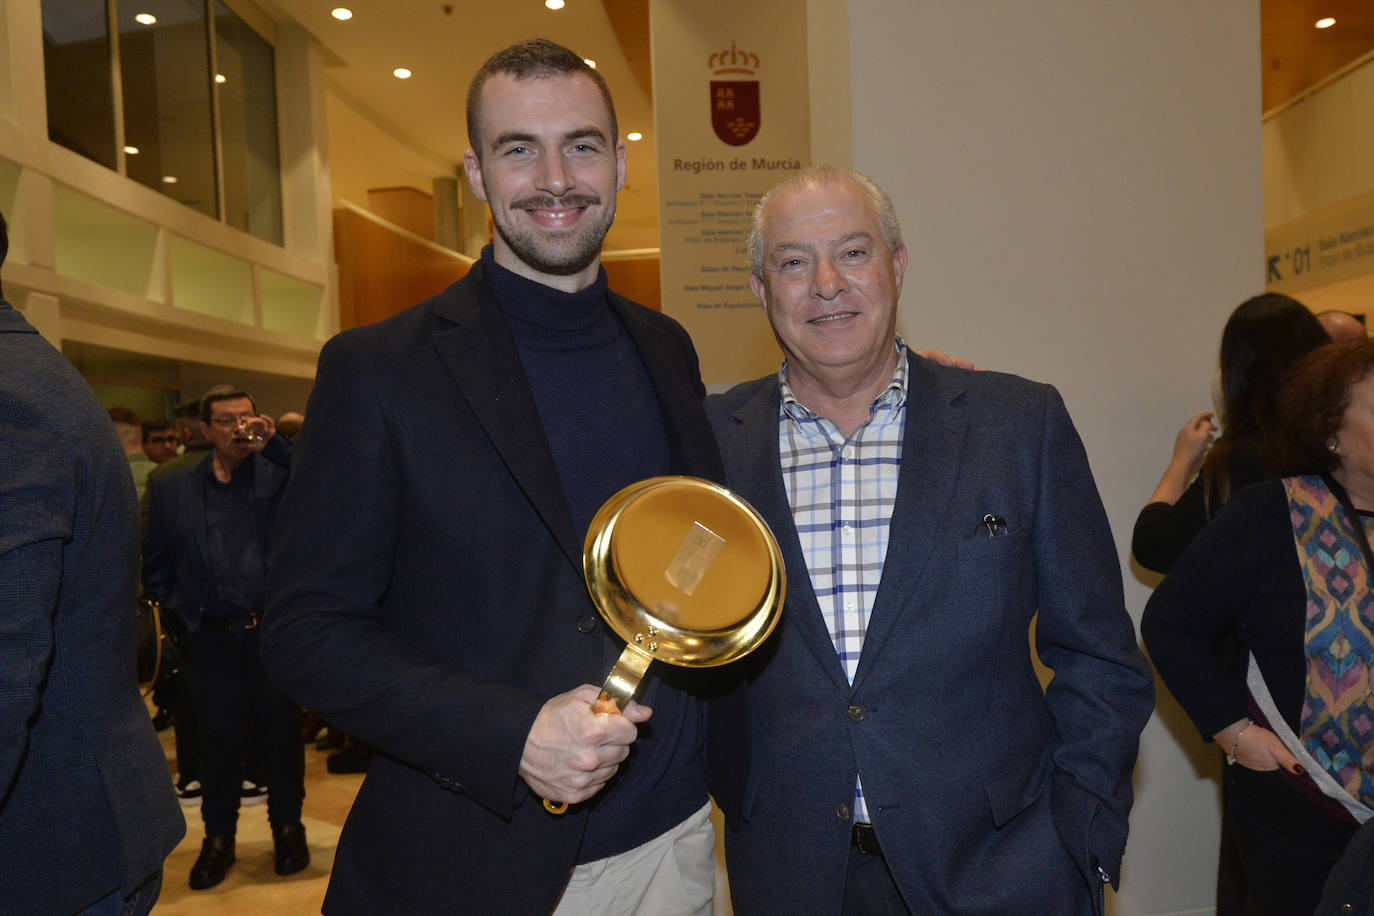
1288, 564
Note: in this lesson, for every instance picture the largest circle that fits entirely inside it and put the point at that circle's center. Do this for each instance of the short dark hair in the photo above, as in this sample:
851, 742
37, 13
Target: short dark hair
1314, 403
537, 58
4, 246
123, 415
156, 426
222, 393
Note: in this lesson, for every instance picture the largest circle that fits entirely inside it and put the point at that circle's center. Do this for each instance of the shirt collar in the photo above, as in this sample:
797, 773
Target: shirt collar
894, 395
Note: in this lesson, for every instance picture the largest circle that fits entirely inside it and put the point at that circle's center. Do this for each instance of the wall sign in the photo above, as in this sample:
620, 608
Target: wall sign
732, 117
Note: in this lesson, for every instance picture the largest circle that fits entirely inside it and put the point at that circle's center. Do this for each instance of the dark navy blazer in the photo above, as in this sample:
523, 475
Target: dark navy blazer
176, 565
987, 794
86, 803
426, 595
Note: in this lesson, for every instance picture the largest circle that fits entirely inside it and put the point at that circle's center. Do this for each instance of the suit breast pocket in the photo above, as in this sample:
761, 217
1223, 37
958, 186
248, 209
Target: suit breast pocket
994, 577
1005, 548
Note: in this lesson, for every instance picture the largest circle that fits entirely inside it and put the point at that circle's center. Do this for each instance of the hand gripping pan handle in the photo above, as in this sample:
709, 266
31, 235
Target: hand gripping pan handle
686, 572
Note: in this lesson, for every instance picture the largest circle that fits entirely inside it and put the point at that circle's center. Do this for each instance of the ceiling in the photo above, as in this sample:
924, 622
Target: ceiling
444, 41
1295, 55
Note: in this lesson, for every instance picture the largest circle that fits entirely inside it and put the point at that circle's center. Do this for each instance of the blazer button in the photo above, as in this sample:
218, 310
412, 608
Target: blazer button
586, 623
856, 713
842, 812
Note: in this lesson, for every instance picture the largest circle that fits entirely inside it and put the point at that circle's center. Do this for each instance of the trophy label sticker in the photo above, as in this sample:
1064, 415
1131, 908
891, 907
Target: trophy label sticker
693, 558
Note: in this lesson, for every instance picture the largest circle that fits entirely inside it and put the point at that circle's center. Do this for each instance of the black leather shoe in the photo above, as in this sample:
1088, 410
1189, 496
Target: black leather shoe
355, 758
289, 849
216, 855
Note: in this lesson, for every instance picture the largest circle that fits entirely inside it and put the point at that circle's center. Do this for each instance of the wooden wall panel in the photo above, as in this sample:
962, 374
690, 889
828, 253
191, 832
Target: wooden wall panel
382, 272
636, 279
408, 208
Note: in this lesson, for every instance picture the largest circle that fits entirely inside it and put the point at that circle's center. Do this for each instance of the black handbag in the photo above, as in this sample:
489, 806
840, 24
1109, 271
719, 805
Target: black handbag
161, 641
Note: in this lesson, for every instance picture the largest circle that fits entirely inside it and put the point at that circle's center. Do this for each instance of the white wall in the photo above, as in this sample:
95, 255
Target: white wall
1080, 190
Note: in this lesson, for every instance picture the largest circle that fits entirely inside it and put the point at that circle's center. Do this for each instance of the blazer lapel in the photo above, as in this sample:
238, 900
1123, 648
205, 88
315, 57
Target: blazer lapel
760, 476
480, 354
931, 445
195, 489
690, 441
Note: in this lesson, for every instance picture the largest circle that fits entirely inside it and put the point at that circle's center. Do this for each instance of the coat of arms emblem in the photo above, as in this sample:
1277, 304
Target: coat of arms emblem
735, 102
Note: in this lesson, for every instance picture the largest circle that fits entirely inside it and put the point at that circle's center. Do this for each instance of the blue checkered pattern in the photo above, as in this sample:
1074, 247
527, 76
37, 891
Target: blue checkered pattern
842, 493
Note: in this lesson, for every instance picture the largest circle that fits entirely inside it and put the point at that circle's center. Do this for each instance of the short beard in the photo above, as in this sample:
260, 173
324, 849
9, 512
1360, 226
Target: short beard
583, 243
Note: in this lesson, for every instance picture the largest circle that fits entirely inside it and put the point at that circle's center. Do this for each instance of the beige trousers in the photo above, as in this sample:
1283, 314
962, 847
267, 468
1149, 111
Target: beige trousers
671, 875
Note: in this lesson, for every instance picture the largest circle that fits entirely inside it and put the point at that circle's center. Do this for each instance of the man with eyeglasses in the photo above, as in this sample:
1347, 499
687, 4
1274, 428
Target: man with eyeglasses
209, 533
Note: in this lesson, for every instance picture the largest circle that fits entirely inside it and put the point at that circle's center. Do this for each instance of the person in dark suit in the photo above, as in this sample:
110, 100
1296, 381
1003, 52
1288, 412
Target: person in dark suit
205, 558
903, 756
87, 813
427, 591
170, 693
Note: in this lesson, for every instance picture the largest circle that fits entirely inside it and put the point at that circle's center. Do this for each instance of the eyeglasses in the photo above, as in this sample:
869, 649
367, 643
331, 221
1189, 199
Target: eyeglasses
162, 440
228, 422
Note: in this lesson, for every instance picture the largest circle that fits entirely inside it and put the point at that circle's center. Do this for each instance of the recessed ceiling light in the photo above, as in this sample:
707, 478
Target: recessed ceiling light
634, 135
1326, 23
169, 179
131, 151
589, 62
221, 78
554, 4
145, 18
401, 73
341, 13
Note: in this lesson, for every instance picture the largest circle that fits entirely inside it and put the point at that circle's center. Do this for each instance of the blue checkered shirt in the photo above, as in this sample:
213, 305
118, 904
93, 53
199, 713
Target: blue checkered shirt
842, 492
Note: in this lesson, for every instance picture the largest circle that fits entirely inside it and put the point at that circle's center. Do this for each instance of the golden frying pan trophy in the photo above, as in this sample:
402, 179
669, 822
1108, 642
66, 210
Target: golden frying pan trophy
686, 573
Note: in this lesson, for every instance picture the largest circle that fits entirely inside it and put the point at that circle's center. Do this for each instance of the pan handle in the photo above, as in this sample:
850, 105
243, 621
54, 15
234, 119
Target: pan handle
621, 684
618, 690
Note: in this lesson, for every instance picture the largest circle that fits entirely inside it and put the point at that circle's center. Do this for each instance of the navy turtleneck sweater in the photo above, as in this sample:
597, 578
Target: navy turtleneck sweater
605, 431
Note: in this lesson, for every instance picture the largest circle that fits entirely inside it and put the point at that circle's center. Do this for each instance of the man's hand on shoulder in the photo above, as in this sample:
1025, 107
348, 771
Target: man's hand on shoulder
944, 359
572, 751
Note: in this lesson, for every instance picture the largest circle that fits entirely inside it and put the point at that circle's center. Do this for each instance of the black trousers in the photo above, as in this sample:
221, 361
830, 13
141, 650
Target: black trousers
869, 889
1287, 844
234, 699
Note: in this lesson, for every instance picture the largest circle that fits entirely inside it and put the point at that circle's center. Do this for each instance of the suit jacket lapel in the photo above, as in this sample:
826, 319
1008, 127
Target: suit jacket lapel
931, 445
480, 354
195, 493
690, 442
761, 477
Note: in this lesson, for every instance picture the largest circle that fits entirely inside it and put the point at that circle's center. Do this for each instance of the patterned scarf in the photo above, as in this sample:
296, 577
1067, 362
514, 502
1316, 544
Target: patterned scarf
1337, 726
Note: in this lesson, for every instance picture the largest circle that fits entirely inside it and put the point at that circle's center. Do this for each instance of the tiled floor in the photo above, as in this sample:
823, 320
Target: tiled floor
252, 887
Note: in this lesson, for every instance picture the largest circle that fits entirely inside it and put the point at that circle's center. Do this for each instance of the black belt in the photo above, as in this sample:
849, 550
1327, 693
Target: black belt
865, 839
229, 624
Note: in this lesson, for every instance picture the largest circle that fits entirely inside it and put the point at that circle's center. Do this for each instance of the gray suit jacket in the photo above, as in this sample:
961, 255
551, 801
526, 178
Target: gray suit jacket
86, 803
987, 794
